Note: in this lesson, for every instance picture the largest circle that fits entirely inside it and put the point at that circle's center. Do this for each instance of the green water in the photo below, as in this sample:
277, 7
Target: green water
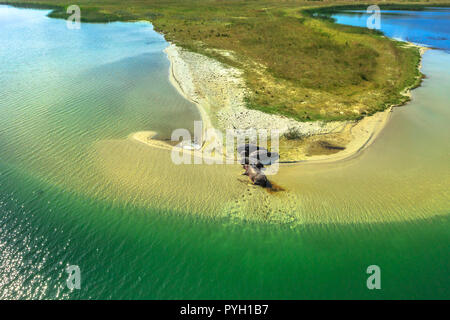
68, 101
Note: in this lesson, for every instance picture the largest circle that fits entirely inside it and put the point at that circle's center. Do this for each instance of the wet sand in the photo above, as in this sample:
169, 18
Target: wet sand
401, 177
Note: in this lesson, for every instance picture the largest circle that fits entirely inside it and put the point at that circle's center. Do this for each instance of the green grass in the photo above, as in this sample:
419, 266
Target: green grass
294, 64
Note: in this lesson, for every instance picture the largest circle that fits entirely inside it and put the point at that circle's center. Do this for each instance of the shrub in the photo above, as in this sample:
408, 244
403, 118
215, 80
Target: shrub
294, 134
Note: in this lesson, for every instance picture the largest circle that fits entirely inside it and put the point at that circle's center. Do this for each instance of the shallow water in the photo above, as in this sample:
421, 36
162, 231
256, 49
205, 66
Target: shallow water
75, 190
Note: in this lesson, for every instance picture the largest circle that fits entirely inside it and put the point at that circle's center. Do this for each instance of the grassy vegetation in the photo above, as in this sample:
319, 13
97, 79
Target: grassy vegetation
294, 134
294, 64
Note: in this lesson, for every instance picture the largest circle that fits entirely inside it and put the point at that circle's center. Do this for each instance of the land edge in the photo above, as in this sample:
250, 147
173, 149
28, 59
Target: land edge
369, 127
362, 132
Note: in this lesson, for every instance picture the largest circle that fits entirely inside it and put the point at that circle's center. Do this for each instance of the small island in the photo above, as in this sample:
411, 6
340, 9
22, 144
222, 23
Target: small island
328, 88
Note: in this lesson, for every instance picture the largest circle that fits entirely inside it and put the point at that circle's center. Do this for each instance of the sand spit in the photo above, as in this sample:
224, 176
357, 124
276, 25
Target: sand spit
219, 91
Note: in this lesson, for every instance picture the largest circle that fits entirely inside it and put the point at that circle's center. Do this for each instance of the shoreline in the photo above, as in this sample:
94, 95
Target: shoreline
182, 88
363, 133
218, 92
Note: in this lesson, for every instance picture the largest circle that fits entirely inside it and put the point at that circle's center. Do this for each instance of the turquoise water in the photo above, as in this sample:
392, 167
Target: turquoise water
68, 95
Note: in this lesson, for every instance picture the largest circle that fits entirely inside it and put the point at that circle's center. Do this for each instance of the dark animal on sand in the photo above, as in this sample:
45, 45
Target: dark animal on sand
246, 149
263, 156
256, 176
251, 161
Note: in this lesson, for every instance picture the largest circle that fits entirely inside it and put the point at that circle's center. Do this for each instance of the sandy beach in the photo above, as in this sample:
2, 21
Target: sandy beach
219, 91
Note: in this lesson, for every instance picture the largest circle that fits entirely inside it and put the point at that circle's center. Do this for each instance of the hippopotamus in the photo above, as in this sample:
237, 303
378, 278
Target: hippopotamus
252, 161
256, 176
263, 156
246, 149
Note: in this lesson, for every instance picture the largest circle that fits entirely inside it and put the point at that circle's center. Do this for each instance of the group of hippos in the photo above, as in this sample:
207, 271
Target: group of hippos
253, 159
